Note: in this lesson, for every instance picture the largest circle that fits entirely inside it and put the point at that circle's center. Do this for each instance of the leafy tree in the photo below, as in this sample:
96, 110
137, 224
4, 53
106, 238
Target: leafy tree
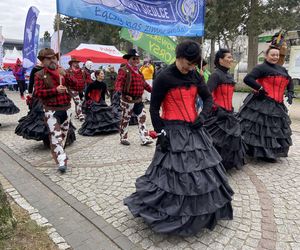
78, 31
47, 36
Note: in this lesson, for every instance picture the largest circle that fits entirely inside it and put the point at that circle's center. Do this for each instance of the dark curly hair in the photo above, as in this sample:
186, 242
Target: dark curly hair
220, 55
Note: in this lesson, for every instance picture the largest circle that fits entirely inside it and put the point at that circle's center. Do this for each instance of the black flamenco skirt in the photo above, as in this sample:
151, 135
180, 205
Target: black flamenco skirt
225, 130
7, 106
33, 126
265, 127
184, 189
99, 119
118, 110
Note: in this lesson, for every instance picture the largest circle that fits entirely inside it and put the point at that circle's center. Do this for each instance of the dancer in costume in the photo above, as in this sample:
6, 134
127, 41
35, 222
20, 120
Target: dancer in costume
265, 122
52, 85
185, 187
130, 85
279, 42
83, 78
33, 126
100, 118
7, 106
223, 124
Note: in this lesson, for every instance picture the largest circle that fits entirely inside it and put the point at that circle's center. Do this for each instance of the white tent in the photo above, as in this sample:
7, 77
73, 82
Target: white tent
107, 49
11, 57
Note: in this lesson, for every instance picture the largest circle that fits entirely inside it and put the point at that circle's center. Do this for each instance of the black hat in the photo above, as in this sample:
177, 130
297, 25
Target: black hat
275, 36
131, 53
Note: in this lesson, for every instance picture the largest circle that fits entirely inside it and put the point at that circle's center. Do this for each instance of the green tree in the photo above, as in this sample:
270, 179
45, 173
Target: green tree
47, 36
76, 31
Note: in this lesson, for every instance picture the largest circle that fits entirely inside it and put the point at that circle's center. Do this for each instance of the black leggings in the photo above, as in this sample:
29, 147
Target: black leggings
22, 86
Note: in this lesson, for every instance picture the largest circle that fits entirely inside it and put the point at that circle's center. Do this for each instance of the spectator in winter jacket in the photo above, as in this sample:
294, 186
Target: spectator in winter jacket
110, 80
19, 73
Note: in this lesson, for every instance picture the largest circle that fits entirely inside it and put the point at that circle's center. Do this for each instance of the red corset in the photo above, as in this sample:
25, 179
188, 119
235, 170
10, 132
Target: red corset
275, 86
222, 96
179, 104
95, 95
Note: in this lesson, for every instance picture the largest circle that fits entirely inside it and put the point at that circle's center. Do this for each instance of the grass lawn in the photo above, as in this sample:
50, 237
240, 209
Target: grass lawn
27, 235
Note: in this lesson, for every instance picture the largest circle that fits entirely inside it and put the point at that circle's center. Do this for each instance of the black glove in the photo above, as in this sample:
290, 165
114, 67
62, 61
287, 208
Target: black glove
163, 141
290, 96
198, 122
262, 91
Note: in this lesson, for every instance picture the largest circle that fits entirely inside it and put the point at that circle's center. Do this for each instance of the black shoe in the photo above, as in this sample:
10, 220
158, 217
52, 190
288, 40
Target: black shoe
62, 169
266, 159
125, 142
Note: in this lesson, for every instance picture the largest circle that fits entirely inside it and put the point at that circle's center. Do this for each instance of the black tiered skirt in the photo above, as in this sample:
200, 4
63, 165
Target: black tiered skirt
225, 129
265, 127
184, 189
100, 119
7, 106
33, 126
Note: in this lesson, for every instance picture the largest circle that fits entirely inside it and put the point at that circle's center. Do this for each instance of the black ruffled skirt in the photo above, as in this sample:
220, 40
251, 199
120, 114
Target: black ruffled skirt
184, 189
33, 126
225, 130
99, 119
265, 127
7, 106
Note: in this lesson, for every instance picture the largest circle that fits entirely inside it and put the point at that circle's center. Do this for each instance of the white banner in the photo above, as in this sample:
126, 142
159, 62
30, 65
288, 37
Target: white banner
294, 64
1, 49
54, 39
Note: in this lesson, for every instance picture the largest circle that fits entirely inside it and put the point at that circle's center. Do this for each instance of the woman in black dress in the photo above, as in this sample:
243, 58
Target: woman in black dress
100, 118
223, 124
185, 187
265, 122
7, 106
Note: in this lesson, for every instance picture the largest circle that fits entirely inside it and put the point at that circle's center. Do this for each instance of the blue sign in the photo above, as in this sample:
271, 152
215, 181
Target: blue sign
29, 58
7, 78
164, 18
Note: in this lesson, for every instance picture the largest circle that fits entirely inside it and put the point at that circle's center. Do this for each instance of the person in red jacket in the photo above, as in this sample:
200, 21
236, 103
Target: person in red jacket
53, 85
19, 73
82, 78
131, 84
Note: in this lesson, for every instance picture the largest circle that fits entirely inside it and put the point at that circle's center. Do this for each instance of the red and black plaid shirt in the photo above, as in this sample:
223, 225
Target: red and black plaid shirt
81, 77
48, 94
137, 83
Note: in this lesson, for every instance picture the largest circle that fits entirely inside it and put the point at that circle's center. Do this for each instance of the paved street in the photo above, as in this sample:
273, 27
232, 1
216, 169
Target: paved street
102, 173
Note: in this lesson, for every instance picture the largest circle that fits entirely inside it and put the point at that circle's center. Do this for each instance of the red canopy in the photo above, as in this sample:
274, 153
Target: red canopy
95, 56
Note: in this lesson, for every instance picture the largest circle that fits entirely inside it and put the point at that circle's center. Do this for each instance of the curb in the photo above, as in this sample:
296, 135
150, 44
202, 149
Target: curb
108, 230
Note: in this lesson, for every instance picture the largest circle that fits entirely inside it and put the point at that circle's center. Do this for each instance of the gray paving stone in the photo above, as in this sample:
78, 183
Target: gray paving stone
104, 174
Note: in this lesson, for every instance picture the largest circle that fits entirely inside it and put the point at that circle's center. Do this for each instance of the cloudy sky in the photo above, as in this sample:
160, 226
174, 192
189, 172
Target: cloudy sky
13, 15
